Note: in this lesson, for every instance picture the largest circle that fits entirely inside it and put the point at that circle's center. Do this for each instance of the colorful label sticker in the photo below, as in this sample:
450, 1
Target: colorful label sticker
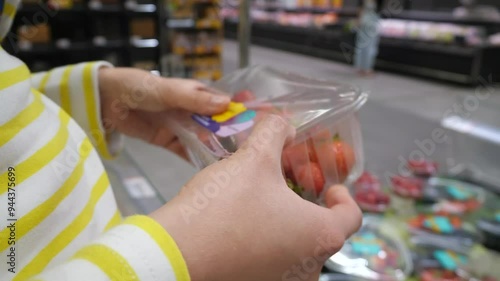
366, 244
230, 130
449, 260
234, 109
206, 122
439, 224
235, 120
459, 193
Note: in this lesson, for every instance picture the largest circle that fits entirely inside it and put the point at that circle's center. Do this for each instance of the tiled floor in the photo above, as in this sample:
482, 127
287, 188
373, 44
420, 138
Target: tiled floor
424, 98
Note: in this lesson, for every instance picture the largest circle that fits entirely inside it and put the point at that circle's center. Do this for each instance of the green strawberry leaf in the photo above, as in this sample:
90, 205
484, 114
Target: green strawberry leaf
337, 137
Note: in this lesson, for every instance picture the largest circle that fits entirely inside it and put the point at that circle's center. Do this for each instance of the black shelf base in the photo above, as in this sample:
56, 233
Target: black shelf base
450, 63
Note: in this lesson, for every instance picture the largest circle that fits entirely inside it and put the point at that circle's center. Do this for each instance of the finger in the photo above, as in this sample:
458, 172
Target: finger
337, 194
148, 127
197, 100
269, 137
314, 276
345, 214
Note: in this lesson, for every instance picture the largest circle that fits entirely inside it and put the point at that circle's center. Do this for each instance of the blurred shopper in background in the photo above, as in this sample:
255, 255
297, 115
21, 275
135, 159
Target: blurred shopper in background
368, 37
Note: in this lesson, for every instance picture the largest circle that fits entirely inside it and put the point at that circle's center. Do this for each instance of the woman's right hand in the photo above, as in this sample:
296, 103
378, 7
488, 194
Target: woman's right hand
238, 220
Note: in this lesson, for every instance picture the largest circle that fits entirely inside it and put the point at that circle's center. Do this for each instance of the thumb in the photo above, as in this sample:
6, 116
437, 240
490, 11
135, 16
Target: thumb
269, 137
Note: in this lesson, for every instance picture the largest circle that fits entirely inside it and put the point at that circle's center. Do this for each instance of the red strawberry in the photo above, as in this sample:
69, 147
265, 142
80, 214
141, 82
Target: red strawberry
336, 157
422, 168
310, 177
243, 96
296, 155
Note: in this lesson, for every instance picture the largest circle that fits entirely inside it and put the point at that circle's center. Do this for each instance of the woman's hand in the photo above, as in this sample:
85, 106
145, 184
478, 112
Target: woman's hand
238, 220
134, 103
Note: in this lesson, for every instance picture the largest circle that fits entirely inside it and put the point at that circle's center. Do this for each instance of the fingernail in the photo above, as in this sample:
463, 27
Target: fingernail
218, 100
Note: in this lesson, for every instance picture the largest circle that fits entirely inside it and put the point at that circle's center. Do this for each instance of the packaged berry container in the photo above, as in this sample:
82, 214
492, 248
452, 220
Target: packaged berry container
435, 261
433, 256
369, 194
328, 146
423, 168
375, 252
489, 224
448, 196
445, 230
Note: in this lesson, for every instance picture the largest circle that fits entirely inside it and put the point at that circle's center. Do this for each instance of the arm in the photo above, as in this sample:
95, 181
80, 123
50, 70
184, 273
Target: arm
75, 88
137, 249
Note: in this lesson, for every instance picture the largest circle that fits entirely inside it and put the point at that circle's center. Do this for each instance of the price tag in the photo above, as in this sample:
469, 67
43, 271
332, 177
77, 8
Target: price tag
138, 187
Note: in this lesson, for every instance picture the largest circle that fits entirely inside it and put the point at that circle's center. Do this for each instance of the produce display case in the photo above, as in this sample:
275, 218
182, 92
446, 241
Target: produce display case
387, 147
446, 54
476, 138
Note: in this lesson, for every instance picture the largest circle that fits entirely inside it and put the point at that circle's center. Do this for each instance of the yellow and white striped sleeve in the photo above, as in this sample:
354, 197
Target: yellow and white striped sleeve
137, 249
75, 88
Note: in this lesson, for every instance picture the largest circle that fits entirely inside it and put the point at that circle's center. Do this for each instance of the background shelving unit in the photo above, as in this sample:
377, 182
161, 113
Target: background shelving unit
126, 33
195, 39
328, 36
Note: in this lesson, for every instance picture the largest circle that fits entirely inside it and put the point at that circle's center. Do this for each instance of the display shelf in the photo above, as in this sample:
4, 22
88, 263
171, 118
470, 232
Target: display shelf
52, 49
100, 30
192, 26
454, 63
343, 12
419, 45
444, 17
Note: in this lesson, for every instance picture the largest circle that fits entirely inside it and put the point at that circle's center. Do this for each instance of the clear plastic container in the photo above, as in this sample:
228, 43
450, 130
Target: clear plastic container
375, 252
445, 230
370, 195
446, 196
328, 146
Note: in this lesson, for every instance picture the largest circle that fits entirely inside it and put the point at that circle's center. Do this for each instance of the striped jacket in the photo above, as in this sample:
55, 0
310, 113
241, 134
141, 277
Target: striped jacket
58, 216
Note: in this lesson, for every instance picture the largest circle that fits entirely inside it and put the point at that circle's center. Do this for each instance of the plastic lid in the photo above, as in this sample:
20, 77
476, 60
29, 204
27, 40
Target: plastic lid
304, 101
375, 252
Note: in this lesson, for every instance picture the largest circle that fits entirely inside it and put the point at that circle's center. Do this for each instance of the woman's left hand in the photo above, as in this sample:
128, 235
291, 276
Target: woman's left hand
134, 103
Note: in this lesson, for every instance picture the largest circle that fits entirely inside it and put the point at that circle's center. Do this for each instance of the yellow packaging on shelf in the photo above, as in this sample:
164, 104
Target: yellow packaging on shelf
200, 50
179, 50
337, 4
216, 74
208, 23
321, 3
218, 48
61, 4
39, 33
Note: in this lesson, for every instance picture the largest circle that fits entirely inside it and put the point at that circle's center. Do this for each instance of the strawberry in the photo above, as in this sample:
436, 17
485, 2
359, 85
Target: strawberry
295, 155
243, 96
310, 177
336, 157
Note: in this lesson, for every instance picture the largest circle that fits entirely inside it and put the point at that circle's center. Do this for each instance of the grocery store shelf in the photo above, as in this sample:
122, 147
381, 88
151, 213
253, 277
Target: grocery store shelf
188, 25
181, 23
198, 55
141, 8
273, 8
429, 46
53, 49
444, 17
144, 9
144, 43
454, 63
